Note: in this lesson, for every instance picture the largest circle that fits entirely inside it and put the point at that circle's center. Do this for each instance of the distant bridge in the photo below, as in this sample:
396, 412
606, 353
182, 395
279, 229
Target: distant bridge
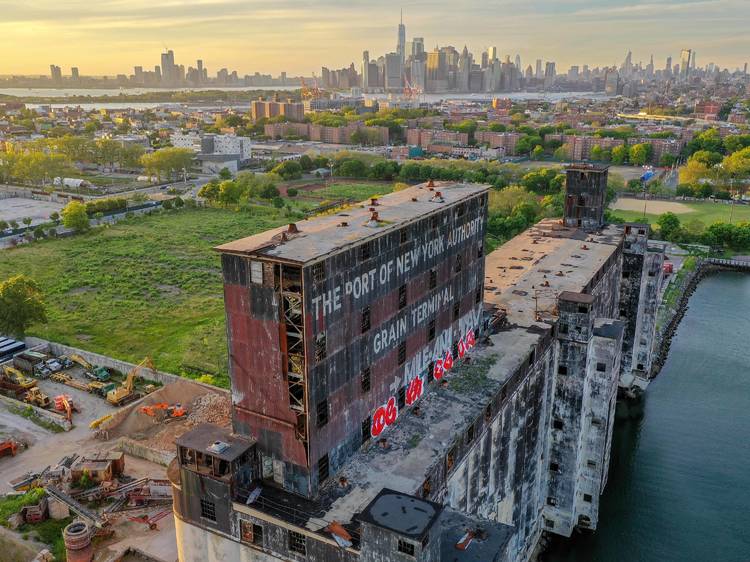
734, 264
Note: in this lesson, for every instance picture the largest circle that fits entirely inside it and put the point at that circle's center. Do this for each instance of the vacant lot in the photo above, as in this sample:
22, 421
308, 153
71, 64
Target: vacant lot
19, 208
358, 191
146, 286
707, 213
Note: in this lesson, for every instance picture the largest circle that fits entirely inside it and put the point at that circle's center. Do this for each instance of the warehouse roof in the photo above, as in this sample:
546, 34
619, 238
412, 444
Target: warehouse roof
322, 235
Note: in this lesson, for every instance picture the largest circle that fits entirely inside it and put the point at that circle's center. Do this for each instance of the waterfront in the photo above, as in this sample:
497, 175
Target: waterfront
678, 488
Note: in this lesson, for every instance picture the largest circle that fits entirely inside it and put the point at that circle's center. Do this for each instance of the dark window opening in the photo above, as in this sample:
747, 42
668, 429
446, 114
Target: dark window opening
563, 328
425, 541
323, 467
596, 422
430, 372
426, 488
554, 467
625, 274
551, 501
406, 547
454, 351
366, 429
587, 498
459, 263
549, 523
641, 231
402, 353
318, 273
601, 367
652, 274
480, 249
365, 319
470, 434
450, 460
460, 210
320, 347
251, 533
583, 309
591, 464
639, 366
562, 370
557, 424
433, 279
431, 330
488, 412
403, 236
208, 510
365, 251
366, 379
322, 413
456, 311
434, 221
402, 296
297, 543
401, 397
478, 296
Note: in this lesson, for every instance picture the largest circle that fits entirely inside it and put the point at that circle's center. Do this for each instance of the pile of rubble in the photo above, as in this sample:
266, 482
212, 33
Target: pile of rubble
210, 408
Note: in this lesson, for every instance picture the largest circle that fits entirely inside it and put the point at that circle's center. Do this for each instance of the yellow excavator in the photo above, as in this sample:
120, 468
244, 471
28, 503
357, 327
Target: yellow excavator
126, 392
17, 377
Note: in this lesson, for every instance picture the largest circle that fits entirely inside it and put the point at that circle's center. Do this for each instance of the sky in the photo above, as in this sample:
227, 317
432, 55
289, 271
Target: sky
300, 36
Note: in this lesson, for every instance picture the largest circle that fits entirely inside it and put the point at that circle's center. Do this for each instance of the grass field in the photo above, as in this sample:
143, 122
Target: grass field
707, 213
358, 191
146, 286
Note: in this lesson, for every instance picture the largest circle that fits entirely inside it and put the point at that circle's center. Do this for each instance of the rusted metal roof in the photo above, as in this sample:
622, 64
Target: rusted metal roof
204, 436
319, 236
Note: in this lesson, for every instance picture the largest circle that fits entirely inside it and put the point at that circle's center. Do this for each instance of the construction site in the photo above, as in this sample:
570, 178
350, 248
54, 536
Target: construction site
84, 449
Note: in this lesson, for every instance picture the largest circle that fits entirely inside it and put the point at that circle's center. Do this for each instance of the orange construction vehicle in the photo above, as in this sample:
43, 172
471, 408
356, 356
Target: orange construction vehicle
161, 411
8, 448
62, 404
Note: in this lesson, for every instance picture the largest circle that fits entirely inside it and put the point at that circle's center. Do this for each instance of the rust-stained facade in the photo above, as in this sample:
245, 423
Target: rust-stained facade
333, 317
394, 389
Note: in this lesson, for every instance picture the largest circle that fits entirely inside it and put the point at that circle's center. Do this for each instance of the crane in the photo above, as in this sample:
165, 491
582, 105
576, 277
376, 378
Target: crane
311, 92
125, 392
81, 361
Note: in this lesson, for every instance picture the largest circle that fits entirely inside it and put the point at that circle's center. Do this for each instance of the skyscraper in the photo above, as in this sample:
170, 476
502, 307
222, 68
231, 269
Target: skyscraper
668, 67
168, 71
538, 74
74, 74
365, 70
685, 56
55, 73
401, 47
393, 72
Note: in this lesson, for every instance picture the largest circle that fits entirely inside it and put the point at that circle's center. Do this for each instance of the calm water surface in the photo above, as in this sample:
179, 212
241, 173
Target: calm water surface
679, 484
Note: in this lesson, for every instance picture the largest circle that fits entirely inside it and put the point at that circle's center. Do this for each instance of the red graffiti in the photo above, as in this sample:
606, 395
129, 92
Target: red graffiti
470, 340
378, 422
448, 361
384, 416
415, 390
438, 371
461, 349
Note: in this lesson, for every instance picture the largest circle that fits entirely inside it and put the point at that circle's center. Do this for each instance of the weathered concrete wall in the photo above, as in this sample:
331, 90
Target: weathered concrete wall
653, 274
42, 413
105, 361
135, 449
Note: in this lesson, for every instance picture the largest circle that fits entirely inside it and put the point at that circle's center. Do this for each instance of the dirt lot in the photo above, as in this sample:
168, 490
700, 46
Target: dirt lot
18, 208
203, 405
654, 207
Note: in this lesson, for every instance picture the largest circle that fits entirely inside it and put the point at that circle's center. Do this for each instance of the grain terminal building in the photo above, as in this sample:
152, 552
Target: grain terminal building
397, 395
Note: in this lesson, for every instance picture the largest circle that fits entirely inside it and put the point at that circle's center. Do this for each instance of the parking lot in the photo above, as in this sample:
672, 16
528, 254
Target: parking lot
18, 208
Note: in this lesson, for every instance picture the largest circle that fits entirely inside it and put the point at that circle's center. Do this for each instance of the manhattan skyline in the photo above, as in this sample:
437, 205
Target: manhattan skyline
109, 37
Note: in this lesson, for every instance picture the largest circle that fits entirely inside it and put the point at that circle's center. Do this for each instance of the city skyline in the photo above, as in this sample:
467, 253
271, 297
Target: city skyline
250, 38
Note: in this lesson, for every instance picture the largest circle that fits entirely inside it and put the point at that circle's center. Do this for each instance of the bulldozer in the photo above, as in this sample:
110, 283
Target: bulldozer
163, 412
17, 377
36, 397
126, 393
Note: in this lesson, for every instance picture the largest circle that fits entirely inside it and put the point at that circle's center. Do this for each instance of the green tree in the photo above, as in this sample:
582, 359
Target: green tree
289, 170
179, 202
225, 174
497, 127
667, 160
306, 162
74, 216
619, 154
55, 217
737, 164
669, 226
710, 159
21, 305
527, 143
562, 153
596, 153
167, 162
130, 155
537, 153
230, 193
640, 154
3, 225
27, 221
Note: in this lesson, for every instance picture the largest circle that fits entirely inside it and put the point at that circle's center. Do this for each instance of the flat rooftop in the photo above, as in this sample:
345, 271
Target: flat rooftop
323, 235
525, 275
216, 441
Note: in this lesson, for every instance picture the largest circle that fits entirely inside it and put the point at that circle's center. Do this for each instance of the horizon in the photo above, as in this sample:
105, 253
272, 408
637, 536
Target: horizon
334, 33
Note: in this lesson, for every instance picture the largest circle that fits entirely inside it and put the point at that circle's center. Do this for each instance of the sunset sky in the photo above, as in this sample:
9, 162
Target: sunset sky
110, 36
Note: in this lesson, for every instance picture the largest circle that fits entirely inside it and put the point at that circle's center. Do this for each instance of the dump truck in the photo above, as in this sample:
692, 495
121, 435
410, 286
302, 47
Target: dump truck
101, 388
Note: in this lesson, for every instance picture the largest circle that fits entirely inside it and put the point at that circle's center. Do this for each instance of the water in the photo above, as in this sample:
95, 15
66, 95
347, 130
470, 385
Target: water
679, 484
